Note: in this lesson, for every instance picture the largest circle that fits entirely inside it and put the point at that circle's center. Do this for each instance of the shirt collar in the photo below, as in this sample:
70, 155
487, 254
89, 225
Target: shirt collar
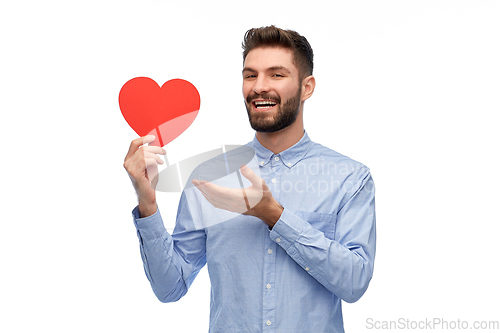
289, 157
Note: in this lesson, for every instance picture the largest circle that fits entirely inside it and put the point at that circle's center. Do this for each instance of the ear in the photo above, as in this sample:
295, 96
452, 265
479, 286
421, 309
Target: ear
308, 85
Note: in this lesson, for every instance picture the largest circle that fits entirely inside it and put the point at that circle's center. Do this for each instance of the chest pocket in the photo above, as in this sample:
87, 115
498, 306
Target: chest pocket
322, 222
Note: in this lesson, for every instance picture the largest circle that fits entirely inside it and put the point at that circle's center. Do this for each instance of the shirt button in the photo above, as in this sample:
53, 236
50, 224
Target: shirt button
268, 322
289, 164
270, 251
273, 181
278, 239
262, 163
307, 269
277, 158
268, 286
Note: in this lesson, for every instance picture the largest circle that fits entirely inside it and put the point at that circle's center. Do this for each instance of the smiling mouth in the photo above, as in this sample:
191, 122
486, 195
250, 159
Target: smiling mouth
263, 105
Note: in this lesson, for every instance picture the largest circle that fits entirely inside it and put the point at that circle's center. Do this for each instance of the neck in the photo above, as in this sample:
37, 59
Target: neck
283, 139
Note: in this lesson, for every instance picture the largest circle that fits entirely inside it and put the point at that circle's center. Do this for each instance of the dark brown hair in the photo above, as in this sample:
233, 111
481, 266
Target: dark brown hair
273, 36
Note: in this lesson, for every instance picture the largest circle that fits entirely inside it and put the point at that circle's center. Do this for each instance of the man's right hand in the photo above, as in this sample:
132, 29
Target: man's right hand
141, 164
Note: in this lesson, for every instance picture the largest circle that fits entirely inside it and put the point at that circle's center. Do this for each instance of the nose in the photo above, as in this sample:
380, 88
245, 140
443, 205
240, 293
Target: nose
261, 85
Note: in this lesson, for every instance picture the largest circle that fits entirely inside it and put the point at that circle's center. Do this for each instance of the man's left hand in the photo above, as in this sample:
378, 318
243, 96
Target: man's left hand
255, 200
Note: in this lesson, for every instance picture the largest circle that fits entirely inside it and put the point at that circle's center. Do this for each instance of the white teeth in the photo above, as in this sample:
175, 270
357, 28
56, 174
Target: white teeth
264, 103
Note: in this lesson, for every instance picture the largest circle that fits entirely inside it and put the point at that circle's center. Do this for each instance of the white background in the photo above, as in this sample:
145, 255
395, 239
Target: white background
409, 88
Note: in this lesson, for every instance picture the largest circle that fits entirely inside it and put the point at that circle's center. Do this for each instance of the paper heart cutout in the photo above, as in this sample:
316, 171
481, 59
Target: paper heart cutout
164, 112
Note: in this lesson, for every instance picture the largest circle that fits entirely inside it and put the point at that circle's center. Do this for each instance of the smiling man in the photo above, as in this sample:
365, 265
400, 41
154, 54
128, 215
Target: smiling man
304, 238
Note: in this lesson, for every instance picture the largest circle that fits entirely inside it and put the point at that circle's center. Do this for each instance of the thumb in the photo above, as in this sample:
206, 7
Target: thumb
251, 176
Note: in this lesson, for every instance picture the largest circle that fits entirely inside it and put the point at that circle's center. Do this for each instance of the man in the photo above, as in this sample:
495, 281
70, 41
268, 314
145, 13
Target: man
305, 238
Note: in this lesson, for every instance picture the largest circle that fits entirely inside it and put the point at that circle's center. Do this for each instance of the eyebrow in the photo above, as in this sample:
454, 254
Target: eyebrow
281, 68
248, 69
270, 69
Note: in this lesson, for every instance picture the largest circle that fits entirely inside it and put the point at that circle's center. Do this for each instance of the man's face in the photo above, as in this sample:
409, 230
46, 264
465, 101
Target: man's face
271, 88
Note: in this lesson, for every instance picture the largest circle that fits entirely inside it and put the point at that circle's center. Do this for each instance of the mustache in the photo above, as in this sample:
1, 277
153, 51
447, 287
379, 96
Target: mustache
263, 96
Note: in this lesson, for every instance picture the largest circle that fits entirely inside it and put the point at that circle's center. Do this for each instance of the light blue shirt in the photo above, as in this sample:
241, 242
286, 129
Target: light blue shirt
290, 279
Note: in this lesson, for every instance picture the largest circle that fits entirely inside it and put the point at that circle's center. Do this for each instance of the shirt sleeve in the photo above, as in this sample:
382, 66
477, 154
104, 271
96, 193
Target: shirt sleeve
343, 265
171, 262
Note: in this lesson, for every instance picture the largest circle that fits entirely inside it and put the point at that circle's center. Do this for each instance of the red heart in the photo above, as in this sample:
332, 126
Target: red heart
165, 112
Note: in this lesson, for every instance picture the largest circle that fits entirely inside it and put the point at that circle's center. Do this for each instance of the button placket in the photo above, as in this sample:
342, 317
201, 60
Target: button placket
269, 285
269, 298
275, 176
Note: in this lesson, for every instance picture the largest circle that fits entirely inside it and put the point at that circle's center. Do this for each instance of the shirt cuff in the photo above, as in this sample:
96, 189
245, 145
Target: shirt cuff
287, 230
149, 227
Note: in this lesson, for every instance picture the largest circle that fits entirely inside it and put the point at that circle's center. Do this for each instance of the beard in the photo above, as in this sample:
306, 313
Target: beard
284, 116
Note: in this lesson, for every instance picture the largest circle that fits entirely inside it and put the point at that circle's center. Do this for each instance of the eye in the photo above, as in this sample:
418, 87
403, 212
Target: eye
249, 76
278, 75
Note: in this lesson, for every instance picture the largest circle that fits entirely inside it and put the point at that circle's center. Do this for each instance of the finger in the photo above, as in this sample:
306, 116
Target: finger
154, 149
246, 199
148, 139
198, 184
251, 176
207, 191
203, 183
151, 171
217, 195
211, 189
140, 161
208, 199
135, 144
264, 186
157, 158
225, 203
152, 161
137, 166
